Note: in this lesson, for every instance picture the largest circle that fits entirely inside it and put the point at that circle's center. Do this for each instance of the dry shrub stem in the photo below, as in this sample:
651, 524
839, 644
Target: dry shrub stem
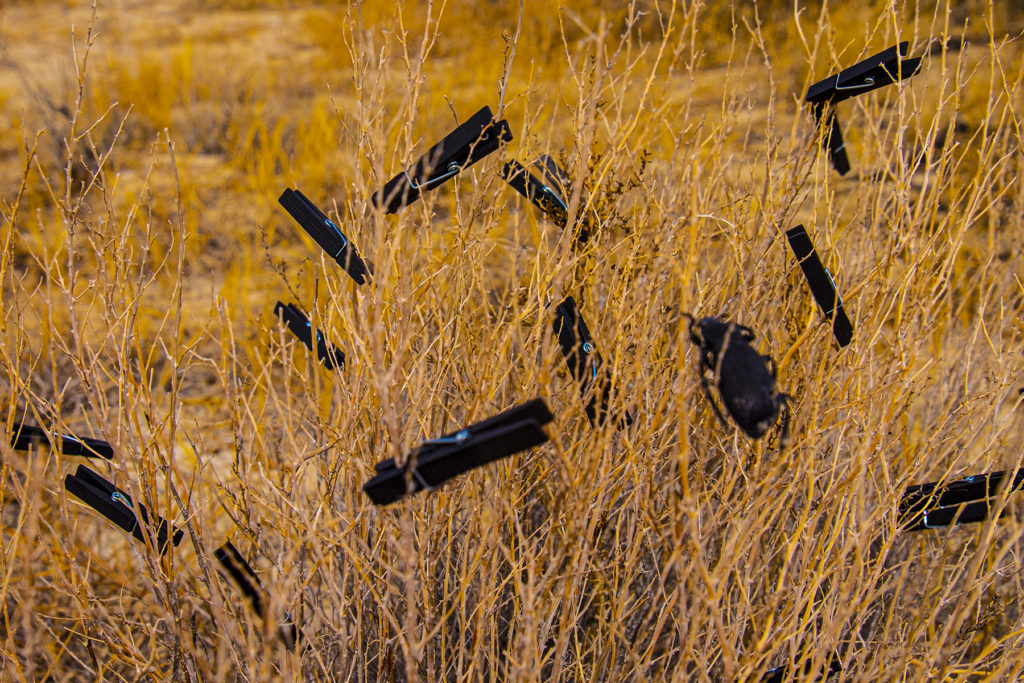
143, 250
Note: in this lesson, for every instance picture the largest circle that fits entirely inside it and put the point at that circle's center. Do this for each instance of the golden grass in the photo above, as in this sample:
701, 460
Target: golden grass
143, 251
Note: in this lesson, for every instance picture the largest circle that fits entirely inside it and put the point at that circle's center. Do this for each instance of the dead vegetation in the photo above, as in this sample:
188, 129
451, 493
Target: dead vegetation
143, 251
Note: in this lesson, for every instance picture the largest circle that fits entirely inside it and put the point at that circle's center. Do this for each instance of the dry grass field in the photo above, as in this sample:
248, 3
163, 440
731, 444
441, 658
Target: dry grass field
143, 149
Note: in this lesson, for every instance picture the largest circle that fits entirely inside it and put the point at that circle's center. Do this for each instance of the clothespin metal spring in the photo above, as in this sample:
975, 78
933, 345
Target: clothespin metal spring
453, 168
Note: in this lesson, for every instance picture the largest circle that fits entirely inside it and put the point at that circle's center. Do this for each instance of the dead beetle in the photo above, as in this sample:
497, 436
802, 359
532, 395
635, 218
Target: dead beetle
745, 379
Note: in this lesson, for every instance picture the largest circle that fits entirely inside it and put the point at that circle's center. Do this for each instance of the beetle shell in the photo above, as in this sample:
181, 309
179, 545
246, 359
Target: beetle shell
745, 379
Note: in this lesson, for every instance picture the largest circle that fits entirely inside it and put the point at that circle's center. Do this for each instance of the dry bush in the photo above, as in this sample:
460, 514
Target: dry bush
143, 250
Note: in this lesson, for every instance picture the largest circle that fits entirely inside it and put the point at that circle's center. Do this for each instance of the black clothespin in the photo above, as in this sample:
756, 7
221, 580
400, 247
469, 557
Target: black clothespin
239, 571
116, 505
24, 435
549, 192
971, 499
874, 72
438, 460
585, 362
463, 147
326, 233
823, 287
779, 673
834, 139
330, 355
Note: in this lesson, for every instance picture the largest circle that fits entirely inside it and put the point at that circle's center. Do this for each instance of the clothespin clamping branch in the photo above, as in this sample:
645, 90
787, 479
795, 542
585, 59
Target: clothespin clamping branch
463, 147
24, 435
326, 233
548, 191
116, 505
584, 362
875, 72
823, 287
242, 575
439, 460
971, 499
781, 673
292, 316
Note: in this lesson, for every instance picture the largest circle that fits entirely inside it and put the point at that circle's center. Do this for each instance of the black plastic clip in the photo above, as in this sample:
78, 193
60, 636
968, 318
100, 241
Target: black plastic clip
326, 234
549, 192
25, 435
463, 147
292, 316
781, 673
584, 362
116, 505
971, 499
438, 460
239, 571
823, 287
874, 72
